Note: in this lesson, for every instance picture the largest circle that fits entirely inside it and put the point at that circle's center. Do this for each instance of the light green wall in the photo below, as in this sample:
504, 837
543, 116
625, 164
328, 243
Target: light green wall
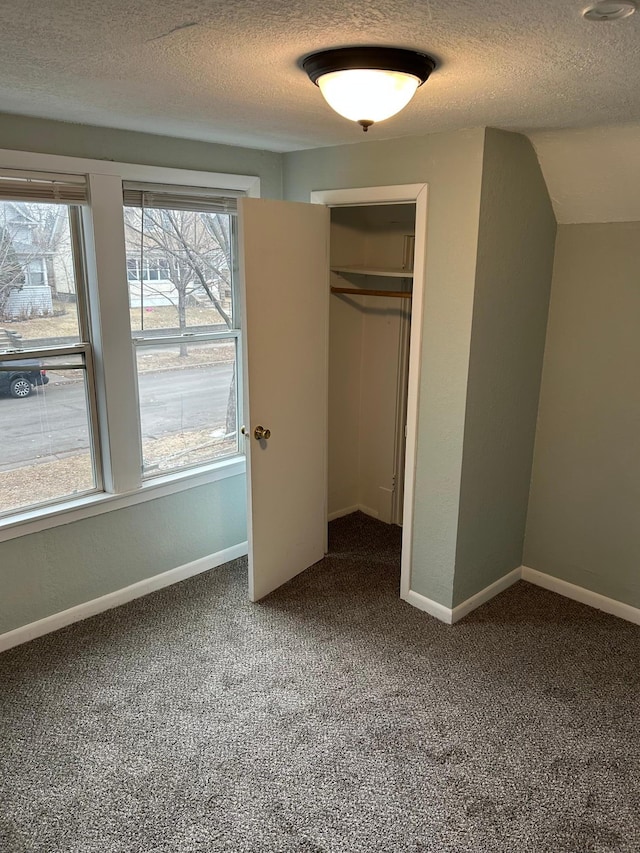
490, 240
23, 133
44, 573
451, 164
584, 511
513, 281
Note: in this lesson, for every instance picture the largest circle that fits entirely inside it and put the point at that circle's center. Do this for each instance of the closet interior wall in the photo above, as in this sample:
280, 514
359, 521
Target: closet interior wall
368, 351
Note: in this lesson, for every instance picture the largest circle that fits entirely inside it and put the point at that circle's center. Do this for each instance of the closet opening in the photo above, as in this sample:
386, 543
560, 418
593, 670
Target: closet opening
372, 262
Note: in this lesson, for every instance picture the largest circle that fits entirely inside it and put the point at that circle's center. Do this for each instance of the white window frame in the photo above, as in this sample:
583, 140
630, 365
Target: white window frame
114, 359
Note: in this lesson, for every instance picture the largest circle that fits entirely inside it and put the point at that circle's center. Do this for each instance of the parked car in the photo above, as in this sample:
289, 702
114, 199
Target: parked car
21, 377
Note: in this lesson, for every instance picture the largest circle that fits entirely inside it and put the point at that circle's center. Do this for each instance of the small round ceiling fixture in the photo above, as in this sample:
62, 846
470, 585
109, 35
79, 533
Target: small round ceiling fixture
610, 10
368, 84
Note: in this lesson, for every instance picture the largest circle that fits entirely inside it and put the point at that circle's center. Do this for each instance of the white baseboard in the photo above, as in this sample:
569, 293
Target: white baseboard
561, 587
120, 596
444, 614
584, 596
452, 615
340, 513
367, 510
485, 594
421, 602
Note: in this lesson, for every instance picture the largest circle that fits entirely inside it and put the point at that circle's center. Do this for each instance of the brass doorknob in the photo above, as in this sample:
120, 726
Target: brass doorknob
260, 432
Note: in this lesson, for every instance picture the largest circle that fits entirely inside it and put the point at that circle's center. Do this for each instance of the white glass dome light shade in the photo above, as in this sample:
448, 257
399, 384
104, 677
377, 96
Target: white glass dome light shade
368, 94
368, 83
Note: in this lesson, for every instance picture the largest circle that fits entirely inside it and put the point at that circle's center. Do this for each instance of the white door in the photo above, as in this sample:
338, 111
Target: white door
284, 266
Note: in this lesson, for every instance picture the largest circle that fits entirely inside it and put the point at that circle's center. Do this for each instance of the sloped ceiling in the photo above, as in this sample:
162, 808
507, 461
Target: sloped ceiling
592, 175
229, 70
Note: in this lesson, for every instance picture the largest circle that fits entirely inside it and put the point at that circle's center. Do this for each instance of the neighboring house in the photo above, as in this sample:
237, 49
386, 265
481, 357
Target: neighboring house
151, 284
37, 250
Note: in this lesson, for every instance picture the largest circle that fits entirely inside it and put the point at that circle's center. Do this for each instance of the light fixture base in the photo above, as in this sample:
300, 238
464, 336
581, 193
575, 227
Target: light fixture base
609, 10
398, 59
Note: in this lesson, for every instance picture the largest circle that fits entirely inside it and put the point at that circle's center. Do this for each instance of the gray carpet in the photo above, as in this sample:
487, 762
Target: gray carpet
331, 717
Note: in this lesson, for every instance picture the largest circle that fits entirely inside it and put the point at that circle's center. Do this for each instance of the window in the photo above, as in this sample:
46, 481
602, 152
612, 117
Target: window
48, 450
133, 269
119, 347
149, 269
180, 256
35, 274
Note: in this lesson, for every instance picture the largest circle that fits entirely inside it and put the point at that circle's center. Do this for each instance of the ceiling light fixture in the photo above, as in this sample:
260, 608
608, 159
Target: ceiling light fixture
609, 10
368, 84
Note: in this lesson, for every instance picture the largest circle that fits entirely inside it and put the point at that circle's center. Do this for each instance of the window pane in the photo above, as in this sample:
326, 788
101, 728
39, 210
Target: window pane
46, 448
185, 257
132, 269
37, 276
187, 404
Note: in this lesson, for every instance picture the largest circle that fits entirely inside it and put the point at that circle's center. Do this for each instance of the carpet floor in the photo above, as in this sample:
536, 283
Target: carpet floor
331, 718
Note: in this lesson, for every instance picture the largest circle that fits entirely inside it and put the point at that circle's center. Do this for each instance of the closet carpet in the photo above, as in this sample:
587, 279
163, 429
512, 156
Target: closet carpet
331, 717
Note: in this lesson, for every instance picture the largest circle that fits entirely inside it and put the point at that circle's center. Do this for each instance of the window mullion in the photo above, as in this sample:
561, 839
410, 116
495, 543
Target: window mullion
116, 391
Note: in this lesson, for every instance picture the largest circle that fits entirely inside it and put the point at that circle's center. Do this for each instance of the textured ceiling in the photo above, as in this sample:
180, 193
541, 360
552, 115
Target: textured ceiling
228, 71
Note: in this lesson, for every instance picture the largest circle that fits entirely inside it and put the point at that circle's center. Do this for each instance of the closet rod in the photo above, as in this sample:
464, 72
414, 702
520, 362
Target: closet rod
361, 291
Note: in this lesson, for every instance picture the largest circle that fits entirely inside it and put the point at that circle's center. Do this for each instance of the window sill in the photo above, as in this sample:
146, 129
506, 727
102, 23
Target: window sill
88, 506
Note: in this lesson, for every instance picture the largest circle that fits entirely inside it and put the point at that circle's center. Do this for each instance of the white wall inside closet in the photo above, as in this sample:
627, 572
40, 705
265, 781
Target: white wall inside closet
371, 249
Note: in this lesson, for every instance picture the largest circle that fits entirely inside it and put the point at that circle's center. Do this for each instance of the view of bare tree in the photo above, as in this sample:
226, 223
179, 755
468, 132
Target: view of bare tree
196, 248
11, 270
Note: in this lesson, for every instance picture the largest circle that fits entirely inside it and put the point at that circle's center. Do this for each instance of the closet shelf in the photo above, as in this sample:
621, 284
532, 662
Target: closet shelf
387, 272
362, 291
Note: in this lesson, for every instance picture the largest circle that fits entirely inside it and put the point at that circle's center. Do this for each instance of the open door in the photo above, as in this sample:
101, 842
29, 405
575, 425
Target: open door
284, 271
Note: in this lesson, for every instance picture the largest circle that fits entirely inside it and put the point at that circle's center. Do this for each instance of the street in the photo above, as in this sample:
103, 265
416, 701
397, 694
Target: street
53, 419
